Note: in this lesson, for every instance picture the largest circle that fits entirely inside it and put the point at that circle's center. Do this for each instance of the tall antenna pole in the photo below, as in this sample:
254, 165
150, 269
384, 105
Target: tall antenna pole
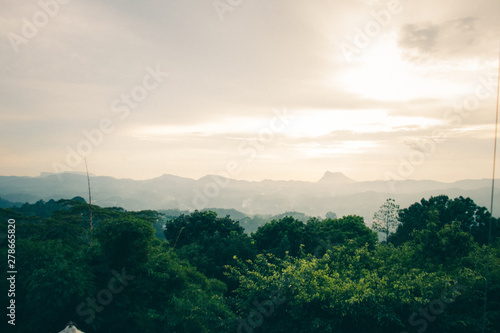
491, 206
90, 202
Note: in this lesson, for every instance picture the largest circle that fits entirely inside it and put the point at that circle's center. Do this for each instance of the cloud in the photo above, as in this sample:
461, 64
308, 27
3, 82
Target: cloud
226, 78
421, 37
446, 39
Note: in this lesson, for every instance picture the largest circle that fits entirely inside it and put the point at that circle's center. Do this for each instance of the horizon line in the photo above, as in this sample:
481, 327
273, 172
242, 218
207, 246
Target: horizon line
82, 173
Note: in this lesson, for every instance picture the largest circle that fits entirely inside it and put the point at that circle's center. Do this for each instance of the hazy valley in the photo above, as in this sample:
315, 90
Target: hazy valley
334, 192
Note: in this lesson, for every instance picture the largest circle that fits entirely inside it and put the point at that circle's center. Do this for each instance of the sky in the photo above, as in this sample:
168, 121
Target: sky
253, 90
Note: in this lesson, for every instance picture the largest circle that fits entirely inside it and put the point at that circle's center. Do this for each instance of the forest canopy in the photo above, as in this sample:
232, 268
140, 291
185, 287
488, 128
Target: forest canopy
149, 271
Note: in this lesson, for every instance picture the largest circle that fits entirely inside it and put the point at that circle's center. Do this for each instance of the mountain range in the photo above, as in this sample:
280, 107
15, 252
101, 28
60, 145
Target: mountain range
334, 192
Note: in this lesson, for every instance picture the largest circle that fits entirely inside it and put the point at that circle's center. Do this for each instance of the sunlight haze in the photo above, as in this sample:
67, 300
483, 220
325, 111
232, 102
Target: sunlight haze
288, 89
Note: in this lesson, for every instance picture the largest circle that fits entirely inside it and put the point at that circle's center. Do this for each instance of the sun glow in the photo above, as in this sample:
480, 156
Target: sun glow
382, 73
341, 148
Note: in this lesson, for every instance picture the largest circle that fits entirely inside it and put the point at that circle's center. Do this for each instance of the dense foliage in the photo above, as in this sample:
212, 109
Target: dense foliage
199, 272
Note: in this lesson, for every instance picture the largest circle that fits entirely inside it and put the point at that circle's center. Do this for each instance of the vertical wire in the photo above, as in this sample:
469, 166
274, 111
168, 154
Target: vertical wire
491, 207
90, 202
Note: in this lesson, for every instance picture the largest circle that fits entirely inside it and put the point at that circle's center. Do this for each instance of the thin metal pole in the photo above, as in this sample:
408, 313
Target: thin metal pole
90, 202
491, 207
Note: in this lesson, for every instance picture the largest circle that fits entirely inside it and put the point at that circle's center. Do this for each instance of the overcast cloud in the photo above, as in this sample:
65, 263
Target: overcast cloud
288, 89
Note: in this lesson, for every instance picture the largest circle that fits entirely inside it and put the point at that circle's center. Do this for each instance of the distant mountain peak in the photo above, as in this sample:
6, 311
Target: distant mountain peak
212, 177
336, 177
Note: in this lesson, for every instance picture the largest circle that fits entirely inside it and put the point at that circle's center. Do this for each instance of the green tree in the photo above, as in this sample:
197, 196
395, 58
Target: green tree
331, 215
125, 241
473, 218
278, 236
350, 231
167, 295
386, 219
437, 244
346, 290
208, 242
54, 272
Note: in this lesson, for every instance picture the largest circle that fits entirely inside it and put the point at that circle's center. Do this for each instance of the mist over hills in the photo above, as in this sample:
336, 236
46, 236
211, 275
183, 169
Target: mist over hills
334, 192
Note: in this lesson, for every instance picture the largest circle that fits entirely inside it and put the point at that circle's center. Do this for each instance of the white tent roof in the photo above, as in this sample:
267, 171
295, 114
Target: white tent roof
71, 328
